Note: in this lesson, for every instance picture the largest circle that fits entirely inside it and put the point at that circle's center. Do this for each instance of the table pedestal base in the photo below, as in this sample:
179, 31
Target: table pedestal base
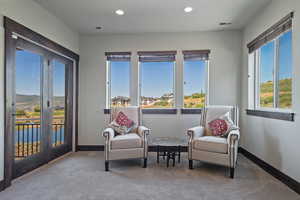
169, 152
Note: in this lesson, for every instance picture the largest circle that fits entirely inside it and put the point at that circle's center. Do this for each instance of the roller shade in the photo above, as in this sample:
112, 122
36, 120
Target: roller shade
157, 56
118, 56
277, 29
196, 54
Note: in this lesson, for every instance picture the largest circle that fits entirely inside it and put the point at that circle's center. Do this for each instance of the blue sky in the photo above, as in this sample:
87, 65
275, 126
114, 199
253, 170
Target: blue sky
285, 58
157, 78
194, 77
58, 78
28, 74
120, 74
28, 70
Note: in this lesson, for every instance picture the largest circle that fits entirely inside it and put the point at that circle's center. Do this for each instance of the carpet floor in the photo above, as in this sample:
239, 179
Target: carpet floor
81, 176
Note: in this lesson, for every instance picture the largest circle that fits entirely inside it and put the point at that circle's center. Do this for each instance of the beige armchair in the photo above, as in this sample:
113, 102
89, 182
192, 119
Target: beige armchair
131, 145
218, 150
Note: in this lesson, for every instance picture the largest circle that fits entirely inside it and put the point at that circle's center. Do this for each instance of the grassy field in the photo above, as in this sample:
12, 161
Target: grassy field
196, 100
285, 94
159, 104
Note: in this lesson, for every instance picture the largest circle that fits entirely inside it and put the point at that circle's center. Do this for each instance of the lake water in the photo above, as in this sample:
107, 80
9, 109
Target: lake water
34, 135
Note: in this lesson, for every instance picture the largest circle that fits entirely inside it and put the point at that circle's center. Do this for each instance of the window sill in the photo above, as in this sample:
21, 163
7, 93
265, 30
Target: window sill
191, 111
166, 111
286, 116
106, 111
170, 111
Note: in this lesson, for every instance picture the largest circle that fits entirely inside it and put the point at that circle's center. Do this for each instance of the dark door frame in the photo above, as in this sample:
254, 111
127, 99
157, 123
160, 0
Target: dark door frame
12, 27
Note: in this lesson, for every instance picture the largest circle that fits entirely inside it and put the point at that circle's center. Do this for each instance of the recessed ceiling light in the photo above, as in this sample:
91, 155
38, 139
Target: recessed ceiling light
225, 23
120, 12
188, 9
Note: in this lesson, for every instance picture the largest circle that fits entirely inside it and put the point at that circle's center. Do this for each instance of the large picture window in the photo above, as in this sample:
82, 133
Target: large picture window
157, 71
195, 78
118, 79
274, 69
272, 61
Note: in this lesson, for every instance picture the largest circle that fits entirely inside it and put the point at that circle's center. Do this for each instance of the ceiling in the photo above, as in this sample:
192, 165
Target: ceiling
153, 15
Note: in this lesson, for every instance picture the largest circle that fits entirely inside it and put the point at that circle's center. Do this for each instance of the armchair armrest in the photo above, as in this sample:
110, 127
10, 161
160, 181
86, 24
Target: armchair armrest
233, 137
143, 131
233, 142
195, 132
108, 133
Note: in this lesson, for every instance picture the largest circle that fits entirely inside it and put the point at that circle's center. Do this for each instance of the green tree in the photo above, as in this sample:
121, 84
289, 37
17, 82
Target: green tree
37, 109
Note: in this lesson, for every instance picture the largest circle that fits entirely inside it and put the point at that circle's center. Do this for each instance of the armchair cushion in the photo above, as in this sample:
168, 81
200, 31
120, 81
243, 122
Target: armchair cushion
128, 141
211, 144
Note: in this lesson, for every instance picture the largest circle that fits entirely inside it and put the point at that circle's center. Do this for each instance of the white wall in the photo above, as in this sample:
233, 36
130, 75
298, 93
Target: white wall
40, 20
224, 76
1, 101
274, 141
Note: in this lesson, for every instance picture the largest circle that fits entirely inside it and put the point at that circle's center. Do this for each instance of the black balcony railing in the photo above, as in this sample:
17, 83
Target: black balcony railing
28, 138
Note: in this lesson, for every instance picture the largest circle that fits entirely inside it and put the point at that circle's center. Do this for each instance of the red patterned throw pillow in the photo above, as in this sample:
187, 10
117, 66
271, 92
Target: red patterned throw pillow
218, 127
123, 120
122, 124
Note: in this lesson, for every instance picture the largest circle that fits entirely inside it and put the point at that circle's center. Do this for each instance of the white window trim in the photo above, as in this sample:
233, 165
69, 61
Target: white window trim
206, 86
141, 85
108, 85
257, 55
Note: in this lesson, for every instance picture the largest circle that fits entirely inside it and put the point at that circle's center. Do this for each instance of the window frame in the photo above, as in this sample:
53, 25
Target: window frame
276, 69
207, 63
141, 85
108, 82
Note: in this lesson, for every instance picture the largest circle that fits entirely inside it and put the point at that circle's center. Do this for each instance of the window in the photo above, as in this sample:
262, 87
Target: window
266, 78
272, 60
285, 70
195, 78
118, 79
157, 71
275, 73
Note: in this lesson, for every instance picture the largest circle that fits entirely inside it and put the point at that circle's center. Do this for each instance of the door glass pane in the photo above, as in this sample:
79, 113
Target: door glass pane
267, 54
59, 89
285, 70
28, 104
194, 84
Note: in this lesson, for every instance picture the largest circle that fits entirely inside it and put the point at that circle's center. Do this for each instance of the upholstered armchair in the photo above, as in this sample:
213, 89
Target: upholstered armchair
207, 148
131, 145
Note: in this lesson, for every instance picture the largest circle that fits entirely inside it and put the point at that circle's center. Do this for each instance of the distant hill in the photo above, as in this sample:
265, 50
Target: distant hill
285, 93
20, 98
284, 85
28, 102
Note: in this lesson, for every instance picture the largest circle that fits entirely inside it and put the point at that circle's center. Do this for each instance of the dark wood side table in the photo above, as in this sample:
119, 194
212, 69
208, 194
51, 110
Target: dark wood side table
169, 148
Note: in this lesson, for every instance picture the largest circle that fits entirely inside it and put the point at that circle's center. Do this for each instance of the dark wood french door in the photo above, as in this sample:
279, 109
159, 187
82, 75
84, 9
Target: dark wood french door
41, 87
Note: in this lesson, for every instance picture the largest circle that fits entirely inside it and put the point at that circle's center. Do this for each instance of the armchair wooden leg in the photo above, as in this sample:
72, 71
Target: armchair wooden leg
145, 163
191, 164
106, 166
231, 172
